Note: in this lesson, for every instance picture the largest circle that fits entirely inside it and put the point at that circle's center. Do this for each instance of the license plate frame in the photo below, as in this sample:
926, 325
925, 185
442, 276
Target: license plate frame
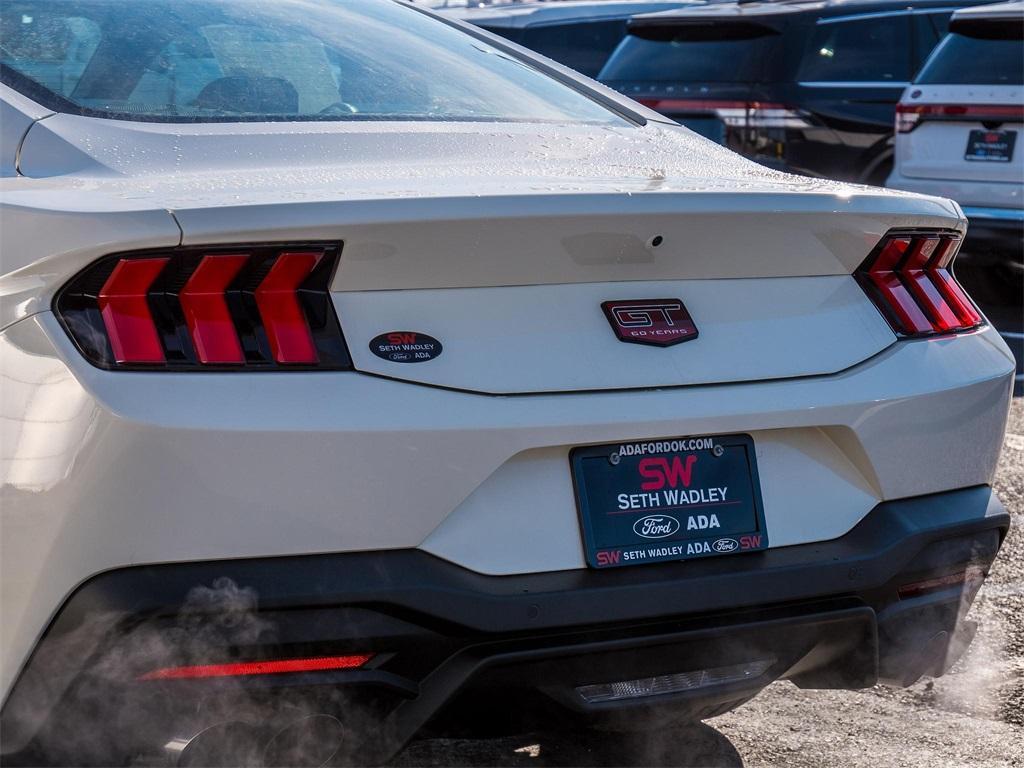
721, 482
985, 146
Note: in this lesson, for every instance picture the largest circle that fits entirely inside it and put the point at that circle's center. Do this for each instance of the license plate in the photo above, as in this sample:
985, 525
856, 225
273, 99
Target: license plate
673, 499
990, 146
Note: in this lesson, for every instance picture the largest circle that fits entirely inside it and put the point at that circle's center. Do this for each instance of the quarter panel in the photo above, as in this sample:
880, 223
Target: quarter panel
47, 235
17, 114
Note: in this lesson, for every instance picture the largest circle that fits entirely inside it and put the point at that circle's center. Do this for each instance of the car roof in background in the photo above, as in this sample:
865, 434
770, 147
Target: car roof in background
1013, 10
736, 9
539, 13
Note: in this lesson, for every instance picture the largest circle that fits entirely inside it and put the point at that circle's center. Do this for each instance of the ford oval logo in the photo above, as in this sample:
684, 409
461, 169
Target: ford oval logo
656, 526
725, 545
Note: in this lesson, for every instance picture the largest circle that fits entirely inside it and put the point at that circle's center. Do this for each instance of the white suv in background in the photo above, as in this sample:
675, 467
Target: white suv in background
958, 125
958, 132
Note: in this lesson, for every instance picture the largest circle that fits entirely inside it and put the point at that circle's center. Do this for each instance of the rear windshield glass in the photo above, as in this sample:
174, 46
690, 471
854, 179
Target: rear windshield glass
583, 46
963, 60
863, 50
215, 60
679, 58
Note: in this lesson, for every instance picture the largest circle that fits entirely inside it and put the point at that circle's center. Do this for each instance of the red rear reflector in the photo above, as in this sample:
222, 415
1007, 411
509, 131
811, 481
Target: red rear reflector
206, 311
906, 278
971, 578
278, 302
125, 311
246, 668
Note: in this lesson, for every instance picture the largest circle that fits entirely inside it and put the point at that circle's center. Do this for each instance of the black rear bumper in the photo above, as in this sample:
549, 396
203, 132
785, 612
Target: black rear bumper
882, 602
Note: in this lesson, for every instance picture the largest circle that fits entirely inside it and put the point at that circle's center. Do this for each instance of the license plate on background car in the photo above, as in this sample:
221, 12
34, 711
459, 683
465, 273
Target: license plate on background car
672, 499
990, 146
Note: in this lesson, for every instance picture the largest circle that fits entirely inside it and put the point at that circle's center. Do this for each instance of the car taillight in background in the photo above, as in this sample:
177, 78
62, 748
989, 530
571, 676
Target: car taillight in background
224, 308
736, 114
758, 129
908, 278
909, 116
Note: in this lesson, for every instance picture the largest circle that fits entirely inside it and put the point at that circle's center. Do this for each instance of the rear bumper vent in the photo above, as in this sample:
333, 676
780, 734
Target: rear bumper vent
226, 308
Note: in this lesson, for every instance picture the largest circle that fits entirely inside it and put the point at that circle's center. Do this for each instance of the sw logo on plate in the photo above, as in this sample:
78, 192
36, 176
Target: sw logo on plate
658, 322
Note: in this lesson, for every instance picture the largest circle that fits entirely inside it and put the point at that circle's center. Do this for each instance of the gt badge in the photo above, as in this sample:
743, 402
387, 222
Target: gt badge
659, 322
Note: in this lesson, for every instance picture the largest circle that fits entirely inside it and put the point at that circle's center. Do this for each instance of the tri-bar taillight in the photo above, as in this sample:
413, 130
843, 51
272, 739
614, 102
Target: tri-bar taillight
908, 278
225, 308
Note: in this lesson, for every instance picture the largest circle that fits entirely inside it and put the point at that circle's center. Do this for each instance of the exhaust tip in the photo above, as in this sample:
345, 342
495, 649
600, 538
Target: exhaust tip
309, 742
224, 744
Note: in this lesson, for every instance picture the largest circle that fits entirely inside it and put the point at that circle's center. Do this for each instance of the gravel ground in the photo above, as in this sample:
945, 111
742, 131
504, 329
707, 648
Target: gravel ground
972, 716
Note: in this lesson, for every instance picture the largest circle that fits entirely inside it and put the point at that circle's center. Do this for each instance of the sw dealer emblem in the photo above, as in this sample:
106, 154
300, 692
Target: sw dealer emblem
405, 347
658, 322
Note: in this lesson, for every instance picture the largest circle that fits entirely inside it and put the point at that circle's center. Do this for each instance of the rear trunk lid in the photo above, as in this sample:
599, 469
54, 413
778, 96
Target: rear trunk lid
506, 255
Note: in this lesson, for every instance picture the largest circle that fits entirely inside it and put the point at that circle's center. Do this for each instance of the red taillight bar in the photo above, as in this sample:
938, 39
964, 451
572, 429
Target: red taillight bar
248, 668
206, 309
278, 301
909, 116
908, 279
125, 311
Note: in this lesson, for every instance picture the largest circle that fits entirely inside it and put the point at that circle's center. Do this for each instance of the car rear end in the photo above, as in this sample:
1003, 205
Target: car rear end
957, 126
720, 71
591, 420
449, 479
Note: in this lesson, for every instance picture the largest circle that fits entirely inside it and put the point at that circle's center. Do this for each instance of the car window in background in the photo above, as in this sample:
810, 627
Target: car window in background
927, 34
583, 46
863, 50
727, 53
215, 60
962, 60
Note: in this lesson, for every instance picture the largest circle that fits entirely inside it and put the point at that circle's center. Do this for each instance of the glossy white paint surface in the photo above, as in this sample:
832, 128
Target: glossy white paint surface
16, 115
551, 338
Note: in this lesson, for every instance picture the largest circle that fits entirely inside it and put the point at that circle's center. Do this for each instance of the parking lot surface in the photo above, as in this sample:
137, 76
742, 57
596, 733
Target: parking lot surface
972, 716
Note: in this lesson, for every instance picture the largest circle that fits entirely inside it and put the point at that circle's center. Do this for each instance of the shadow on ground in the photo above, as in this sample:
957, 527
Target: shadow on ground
685, 747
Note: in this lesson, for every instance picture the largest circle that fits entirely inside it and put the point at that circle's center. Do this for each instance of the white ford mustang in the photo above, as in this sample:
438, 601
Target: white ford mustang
362, 370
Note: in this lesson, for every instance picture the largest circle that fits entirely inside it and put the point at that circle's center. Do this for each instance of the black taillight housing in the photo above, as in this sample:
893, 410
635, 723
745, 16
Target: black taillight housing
244, 307
909, 278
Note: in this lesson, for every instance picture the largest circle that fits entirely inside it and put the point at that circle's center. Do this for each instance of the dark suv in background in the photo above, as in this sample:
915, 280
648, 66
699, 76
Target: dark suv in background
580, 34
809, 87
